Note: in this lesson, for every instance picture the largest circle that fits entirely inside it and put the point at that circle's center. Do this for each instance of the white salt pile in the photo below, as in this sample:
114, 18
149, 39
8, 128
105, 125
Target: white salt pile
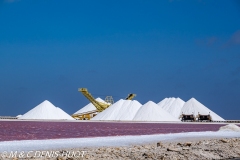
230, 127
172, 106
121, 110
63, 115
166, 102
89, 107
169, 109
46, 110
19, 116
192, 106
152, 112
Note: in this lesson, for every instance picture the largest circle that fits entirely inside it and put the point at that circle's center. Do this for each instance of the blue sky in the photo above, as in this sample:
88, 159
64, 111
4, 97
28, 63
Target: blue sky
156, 49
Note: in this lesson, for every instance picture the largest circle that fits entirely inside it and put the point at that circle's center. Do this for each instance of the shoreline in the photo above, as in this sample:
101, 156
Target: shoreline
111, 141
192, 148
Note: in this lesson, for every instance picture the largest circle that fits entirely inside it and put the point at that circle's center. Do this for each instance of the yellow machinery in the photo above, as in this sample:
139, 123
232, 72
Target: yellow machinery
85, 115
131, 96
100, 106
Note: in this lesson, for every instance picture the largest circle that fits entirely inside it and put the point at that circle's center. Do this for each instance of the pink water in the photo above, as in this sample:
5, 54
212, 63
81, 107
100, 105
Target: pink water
30, 130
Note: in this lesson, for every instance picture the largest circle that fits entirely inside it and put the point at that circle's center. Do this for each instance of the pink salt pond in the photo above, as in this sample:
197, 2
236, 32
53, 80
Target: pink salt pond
36, 130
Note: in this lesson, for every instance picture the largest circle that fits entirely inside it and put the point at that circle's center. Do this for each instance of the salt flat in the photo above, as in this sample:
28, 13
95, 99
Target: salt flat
31, 145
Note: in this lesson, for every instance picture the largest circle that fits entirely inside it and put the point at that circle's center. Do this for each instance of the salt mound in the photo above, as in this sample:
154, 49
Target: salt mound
89, 107
230, 127
163, 102
192, 106
121, 110
173, 106
46, 110
63, 115
152, 112
19, 116
166, 102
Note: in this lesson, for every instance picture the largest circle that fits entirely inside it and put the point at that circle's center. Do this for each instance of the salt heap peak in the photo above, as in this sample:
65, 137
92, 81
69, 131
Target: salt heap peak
152, 112
89, 107
173, 106
192, 106
121, 110
46, 110
163, 102
166, 102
